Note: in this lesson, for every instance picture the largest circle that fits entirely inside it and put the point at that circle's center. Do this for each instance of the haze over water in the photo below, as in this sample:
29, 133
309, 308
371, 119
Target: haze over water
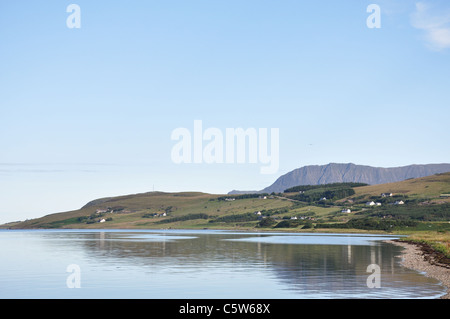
173, 264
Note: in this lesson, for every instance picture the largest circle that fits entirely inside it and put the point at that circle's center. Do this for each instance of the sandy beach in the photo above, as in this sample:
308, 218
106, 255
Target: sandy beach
421, 257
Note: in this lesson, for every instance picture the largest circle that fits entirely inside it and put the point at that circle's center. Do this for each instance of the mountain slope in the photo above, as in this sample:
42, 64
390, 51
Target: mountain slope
201, 210
340, 173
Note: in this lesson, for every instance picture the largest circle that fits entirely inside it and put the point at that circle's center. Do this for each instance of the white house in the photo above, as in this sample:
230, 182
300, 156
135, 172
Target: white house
372, 203
378, 204
102, 220
346, 211
399, 202
258, 213
294, 217
386, 195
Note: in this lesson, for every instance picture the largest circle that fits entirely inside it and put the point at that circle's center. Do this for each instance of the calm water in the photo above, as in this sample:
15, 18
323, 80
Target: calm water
202, 264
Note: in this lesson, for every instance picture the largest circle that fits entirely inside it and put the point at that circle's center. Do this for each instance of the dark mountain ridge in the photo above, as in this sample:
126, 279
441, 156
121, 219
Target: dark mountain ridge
349, 172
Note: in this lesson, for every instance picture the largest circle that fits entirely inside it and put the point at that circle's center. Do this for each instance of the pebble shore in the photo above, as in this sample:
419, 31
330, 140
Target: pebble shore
414, 258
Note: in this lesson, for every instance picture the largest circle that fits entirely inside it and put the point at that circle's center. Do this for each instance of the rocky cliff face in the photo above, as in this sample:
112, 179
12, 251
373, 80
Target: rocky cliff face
339, 173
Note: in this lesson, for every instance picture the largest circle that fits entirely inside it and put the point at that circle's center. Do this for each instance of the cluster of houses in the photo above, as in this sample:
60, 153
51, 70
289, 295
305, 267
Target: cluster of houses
383, 195
103, 211
265, 197
303, 218
160, 215
258, 213
398, 202
373, 203
111, 210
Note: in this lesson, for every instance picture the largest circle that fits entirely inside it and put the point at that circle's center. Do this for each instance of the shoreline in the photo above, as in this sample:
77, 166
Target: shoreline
421, 257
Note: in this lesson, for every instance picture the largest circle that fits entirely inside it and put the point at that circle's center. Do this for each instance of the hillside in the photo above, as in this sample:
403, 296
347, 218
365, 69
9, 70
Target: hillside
341, 173
418, 188
338, 205
148, 210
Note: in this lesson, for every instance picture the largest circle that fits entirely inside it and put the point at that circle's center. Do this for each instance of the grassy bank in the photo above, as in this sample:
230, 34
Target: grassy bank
439, 241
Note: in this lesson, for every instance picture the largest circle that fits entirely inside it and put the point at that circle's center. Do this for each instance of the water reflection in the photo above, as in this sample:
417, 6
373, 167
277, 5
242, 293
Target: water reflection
177, 264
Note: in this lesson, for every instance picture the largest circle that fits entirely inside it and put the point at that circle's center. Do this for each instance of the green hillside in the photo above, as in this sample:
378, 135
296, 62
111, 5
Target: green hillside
158, 210
416, 204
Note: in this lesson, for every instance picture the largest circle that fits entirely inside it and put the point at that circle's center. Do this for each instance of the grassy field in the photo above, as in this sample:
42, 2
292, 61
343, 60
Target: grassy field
429, 187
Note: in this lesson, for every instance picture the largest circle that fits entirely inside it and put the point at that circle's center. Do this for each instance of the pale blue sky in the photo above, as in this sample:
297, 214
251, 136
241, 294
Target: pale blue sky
88, 113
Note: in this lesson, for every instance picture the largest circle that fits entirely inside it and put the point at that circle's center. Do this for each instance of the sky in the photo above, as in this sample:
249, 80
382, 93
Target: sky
88, 110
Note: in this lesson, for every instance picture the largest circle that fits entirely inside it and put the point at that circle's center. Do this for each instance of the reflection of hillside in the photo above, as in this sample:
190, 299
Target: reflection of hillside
205, 248
323, 267
323, 270
317, 268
